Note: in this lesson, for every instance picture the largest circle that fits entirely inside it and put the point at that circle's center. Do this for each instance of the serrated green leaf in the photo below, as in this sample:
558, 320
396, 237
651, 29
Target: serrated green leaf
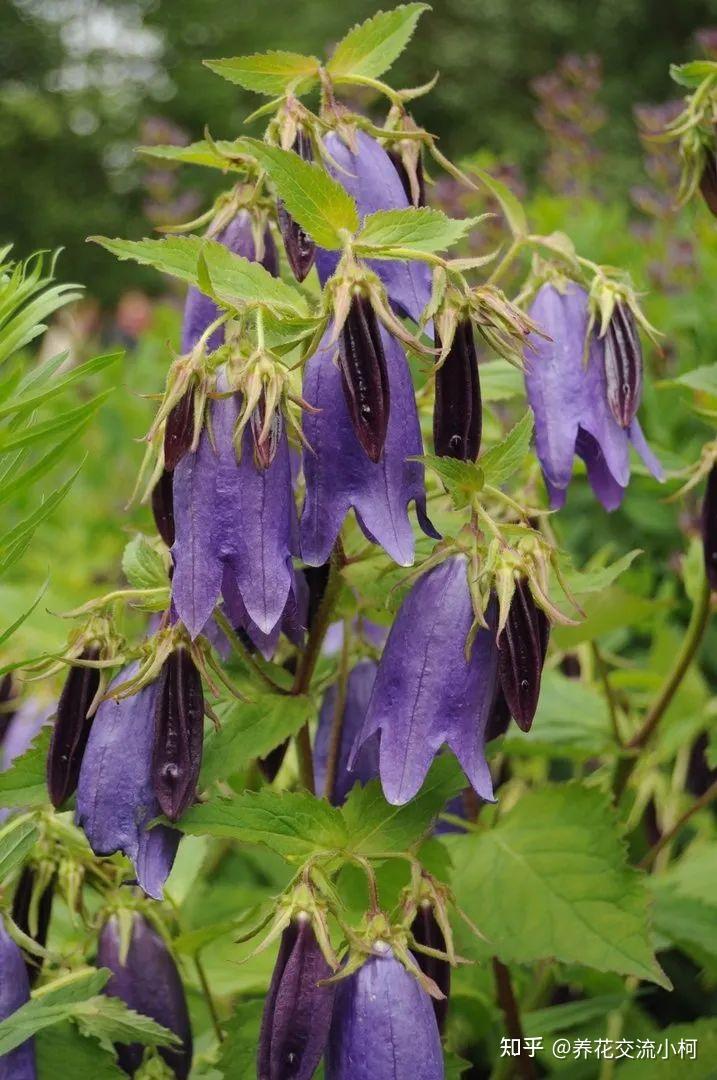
294, 824
687, 924
313, 198
675, 1066
269, 73
76, 986
509, 203
411, 229
238, 1052
23, 784
251, 729
500, 381
17, 837
371, 47
221, 154
62, 1052
374, 825
692, 73
235, 280
142, 564
462, 479
551, 880
501, 461
592, 581
109, 1020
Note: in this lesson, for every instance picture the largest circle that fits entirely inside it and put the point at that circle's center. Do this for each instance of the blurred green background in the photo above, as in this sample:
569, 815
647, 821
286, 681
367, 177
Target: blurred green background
81, 79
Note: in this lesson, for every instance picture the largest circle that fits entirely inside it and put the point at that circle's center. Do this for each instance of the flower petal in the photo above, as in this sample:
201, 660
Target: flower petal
649, 459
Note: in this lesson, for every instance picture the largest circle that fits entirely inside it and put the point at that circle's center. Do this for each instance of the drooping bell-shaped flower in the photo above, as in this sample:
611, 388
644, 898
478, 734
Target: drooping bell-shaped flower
72, 728
293, 621
427, 693
709, 528
116, 800
199, 309
371, 179
339, 474
149, 983
18, 1064
297, 1011
365, 766
569, 400
232, 514
364, 376
384, 1026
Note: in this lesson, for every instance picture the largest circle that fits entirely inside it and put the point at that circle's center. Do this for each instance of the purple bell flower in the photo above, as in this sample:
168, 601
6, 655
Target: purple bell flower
149, 983
340, 476
365, 766
292, 622
370, 177
426, 693
231, 515
18, 1064
297, 1012
569, 401
115, 794
199, 309
384, 1026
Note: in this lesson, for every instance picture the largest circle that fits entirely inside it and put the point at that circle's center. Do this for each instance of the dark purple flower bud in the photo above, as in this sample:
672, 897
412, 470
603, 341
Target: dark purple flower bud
72, 729
523, 645
19, 1064
149, 983
179, 430
426, 692
200, 310
708, 181
709, 528
31, 912
426, 931
397, 162
115, 794
317, 578
163, 507
365, 766
297, 1011
178, 734
300, 248
384, 1026
458, 410
364, 376
370, 178
499, 718
569, 401
623, 365
340, 476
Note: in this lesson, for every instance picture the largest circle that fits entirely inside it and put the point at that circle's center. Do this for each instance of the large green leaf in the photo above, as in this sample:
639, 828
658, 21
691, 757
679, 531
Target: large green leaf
551, 880
224, 154
269, 73
501, 461
313, 198
23, 784
250, 729
419, 230
61, 1051
370, 48
17, 838
235, 280
572, 721
650, 1062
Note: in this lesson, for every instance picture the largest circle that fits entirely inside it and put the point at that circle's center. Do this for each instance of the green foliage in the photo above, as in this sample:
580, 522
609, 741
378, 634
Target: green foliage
371, 48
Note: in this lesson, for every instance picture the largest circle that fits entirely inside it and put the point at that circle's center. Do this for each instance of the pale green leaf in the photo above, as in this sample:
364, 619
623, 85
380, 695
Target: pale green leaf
269, 73
370, 48
500, 381
61, 1051
572, 720
462, 479
142, 564
419, 230
551, 880
692, 73
23, 784
235, 280
238, 1053
502, 461
594, 581
676, 1065
224, 154
509, 203
111, 1021
703, 379
17, 837
294, 824
313, 198
374, 825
